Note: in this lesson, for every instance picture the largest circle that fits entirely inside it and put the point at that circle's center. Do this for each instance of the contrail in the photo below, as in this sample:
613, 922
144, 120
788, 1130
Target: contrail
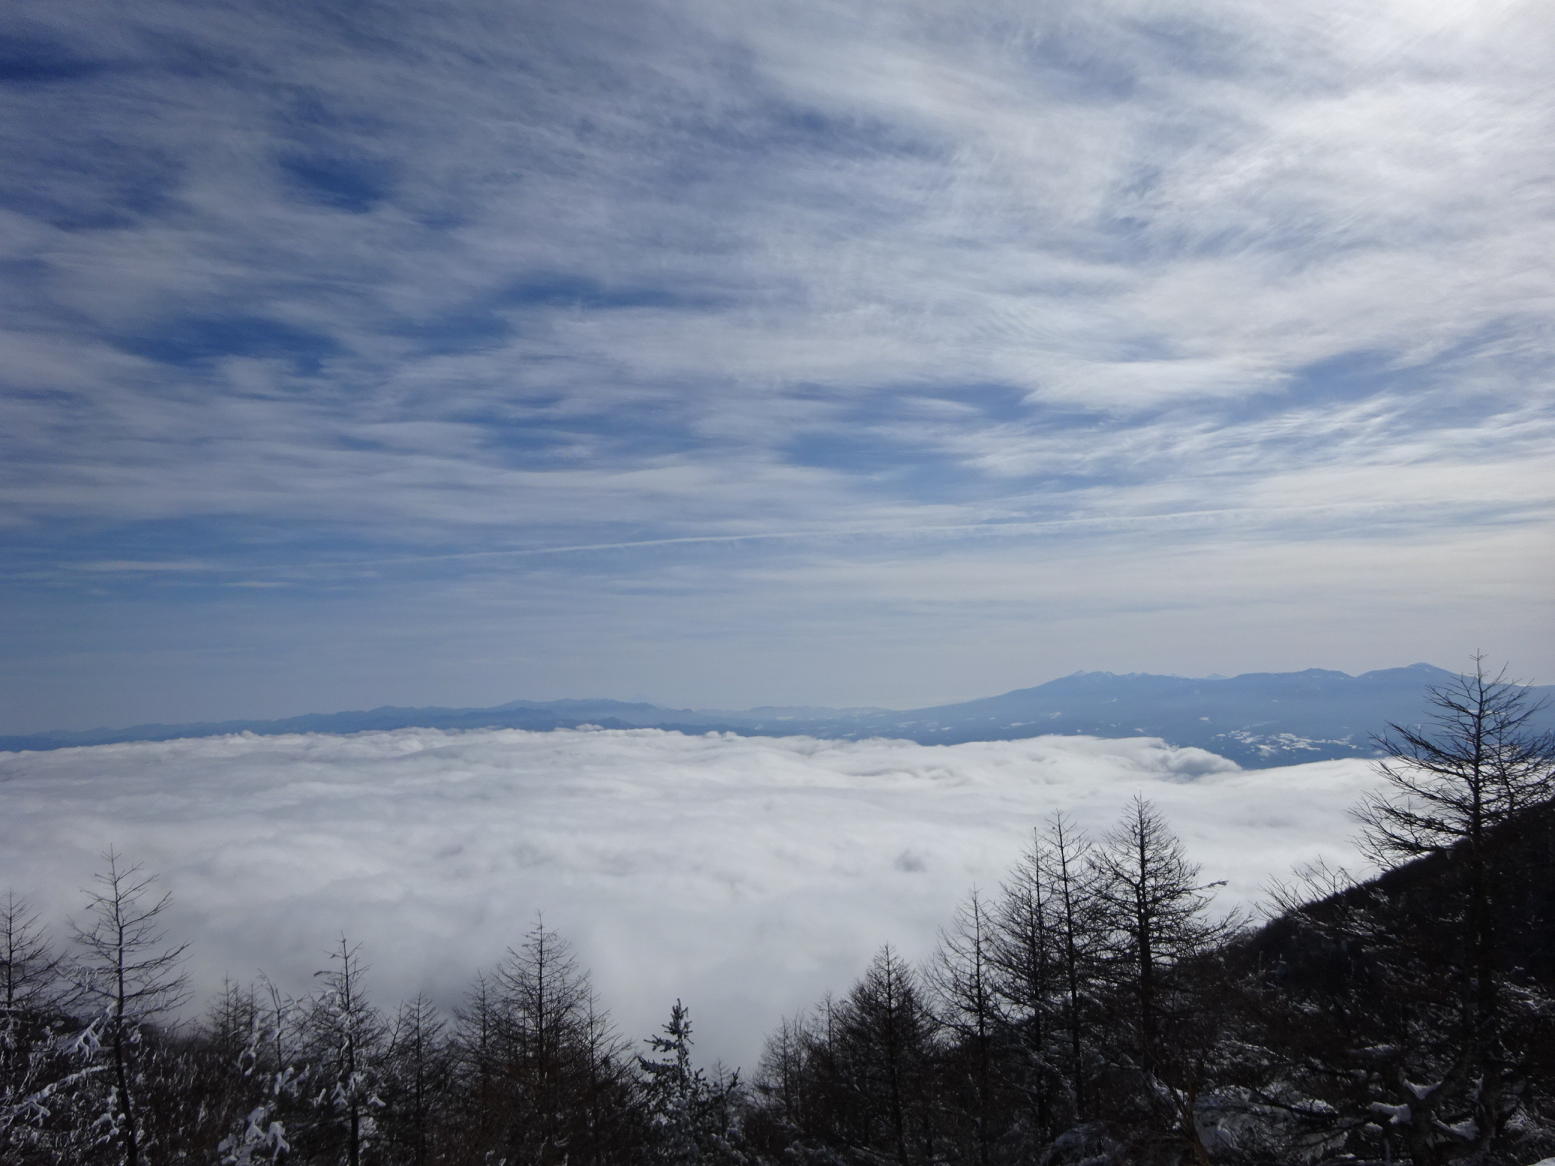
1018, 526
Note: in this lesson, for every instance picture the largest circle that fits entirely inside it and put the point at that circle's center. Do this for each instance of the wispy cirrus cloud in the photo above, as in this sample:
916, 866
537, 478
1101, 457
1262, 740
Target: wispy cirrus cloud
340, 296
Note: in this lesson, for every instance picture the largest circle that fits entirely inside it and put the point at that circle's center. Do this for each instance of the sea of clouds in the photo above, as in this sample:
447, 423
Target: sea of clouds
747, 876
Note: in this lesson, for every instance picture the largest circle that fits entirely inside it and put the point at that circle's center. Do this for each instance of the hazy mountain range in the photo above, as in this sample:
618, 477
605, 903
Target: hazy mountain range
1258, 719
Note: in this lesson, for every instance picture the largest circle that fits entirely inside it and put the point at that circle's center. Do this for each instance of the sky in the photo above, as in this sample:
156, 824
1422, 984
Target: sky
792, 351
746, 876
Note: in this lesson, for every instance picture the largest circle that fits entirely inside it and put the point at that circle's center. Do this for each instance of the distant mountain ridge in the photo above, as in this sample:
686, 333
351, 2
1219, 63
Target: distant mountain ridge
1258, 719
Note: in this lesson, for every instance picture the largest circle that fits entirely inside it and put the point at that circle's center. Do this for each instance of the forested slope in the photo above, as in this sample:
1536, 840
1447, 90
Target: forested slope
1092, 1009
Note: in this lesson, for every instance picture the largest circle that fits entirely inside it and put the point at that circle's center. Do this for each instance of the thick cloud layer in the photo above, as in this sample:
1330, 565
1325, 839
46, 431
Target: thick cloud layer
745, 875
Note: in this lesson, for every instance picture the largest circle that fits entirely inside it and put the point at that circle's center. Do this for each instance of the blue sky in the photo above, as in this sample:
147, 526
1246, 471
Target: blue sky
820, 351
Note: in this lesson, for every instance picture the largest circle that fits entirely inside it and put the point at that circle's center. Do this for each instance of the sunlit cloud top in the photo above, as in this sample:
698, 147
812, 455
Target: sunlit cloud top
746, 875
912, 350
